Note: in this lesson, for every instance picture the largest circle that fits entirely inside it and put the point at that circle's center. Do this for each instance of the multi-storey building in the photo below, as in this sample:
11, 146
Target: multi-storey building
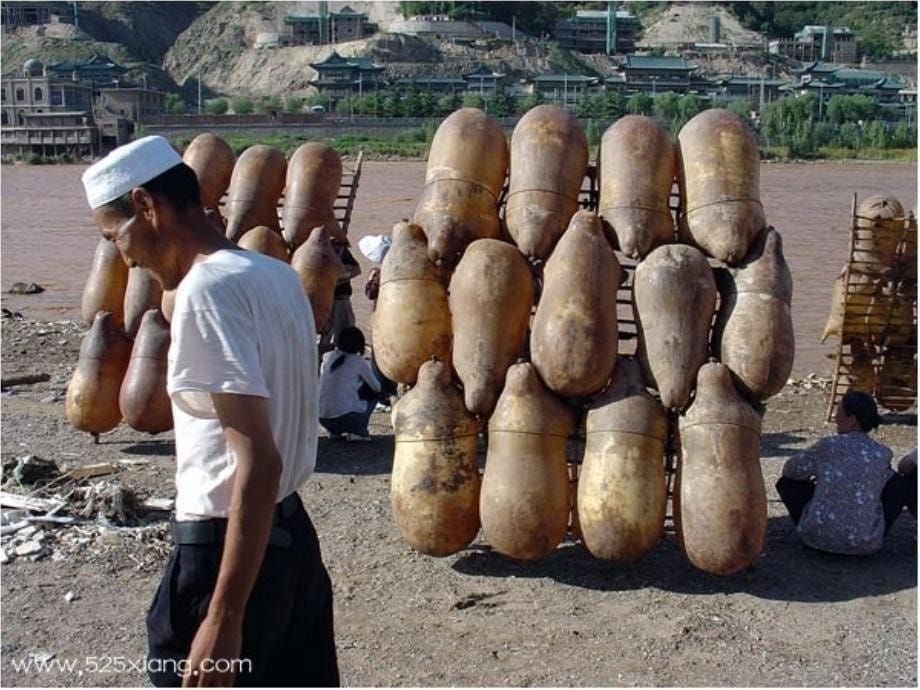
328, 27
599, 31
30, 90
825, 43
338, 77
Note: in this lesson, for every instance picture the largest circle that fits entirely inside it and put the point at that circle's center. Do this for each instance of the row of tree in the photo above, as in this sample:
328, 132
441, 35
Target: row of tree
803, 124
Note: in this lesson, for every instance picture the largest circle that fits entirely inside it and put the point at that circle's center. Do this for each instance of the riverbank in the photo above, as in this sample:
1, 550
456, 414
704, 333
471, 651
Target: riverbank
413, 144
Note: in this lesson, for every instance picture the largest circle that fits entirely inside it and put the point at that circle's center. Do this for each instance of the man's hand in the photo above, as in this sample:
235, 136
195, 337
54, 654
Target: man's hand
216, 646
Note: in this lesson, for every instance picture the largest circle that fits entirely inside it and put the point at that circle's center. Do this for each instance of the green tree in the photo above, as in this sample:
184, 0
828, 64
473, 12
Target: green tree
426, 104
904, 136
294, 104
639, 104
615, 106
409, 104
503, 105
174, 104
666, 107
781, 120
268, 104
877, 135
531, 101
591, 107
824, 134
390, 106
447, 104
688, 106
850, 136
740, 107
242, 105
802, 143
841, 108
216, 106
473, 100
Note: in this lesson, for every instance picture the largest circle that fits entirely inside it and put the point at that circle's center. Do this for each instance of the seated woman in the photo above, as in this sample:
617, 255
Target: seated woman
348, 389
841, 492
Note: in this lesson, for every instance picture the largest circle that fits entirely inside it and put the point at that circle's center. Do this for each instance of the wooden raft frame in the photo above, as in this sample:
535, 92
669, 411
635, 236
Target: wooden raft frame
861, 325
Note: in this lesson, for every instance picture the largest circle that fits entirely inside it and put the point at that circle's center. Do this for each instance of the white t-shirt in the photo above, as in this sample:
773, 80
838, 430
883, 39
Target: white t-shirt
241, 324
338, 390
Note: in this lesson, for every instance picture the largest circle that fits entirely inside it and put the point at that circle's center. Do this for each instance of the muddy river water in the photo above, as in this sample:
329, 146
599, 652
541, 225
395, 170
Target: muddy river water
48, 237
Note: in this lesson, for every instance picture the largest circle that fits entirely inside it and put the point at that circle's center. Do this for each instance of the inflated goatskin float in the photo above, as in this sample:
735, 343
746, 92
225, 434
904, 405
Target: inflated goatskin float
622, 490
525, 499
466, 169
266, 241
143, 292
411, 322
720, 185
314, 175
490, 298
92, 395
105, 285
638, 166
255, 188
143, 400
319, 268
884, 217
674, 293
549, 155
574, 338
720, 504
753, 335
213, 160
435, 481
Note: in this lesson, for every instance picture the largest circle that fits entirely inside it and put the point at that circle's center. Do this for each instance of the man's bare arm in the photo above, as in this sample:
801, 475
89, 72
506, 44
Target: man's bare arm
255, 491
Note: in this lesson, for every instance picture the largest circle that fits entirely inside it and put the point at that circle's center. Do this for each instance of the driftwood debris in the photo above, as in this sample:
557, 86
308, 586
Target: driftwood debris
23, 379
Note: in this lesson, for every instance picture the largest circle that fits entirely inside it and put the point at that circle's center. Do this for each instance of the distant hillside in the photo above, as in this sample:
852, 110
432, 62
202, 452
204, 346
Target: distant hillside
174, 44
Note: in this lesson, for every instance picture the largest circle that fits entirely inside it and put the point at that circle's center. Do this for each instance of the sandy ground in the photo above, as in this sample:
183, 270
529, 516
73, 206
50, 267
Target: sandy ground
799, 618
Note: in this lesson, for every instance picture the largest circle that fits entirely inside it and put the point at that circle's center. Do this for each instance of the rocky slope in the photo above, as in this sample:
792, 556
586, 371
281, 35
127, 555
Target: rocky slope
175, 43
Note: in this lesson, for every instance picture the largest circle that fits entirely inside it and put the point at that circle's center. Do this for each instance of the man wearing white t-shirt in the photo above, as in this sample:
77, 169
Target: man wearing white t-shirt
245, 596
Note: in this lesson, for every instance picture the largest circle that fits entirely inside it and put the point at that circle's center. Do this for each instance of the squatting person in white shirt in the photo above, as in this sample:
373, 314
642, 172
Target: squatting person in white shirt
348, 388
245, 582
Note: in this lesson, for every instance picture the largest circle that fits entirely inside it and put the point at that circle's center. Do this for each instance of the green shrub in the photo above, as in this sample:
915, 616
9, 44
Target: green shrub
242, 105
216, 106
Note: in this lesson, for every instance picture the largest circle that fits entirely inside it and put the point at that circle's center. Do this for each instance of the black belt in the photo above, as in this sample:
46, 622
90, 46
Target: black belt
213, 530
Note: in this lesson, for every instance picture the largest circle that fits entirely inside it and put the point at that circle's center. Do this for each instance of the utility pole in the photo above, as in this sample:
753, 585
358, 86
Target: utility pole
199, 90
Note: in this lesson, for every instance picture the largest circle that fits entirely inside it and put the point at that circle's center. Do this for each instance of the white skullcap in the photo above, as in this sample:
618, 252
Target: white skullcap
127, 167
375, 247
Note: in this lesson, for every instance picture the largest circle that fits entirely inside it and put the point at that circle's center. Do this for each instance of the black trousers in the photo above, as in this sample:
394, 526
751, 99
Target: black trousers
796, 493
288, 638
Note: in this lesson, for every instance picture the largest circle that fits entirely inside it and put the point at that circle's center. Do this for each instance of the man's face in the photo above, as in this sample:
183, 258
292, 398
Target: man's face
136, 240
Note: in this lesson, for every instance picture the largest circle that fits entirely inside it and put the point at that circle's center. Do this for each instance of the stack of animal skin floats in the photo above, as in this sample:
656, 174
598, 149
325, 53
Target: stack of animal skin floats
504, 318
121, 372
874, 307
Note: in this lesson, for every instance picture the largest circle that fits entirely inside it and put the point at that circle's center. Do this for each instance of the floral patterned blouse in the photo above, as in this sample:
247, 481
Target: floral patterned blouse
845, 514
